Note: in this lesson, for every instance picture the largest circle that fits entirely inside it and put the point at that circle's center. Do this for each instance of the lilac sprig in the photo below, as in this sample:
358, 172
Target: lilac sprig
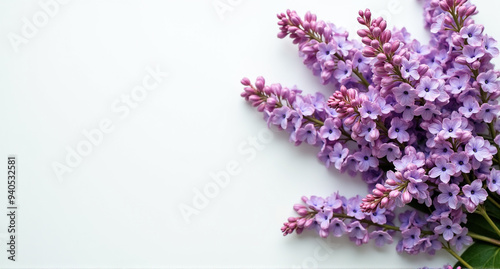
325, 49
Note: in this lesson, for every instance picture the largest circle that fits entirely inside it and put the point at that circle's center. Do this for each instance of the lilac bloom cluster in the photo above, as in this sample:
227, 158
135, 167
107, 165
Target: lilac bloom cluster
419, 122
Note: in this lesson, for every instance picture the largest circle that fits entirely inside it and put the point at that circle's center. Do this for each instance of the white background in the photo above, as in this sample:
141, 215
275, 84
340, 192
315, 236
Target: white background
120, 206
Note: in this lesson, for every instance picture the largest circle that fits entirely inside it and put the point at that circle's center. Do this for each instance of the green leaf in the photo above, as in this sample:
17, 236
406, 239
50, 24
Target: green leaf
477, 224
482, 255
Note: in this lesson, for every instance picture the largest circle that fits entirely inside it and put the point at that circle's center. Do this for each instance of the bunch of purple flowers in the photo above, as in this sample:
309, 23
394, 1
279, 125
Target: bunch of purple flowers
419, 122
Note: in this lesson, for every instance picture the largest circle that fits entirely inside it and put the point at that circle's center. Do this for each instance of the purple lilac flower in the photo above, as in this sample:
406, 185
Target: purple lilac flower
378, 216
365, 159
470, 107
398, 130
448, 195
381, 238
280, 116
428, 89
303, 107
333, 202
427, 111
476, 147
448, 229
326, 51
337, 227
369, 131
458, 84
488, 112
473, 34
338, 155
369, 110
384, 107
438, 23
354, 209
329, 130
494, 180
359, 61
461, 239
490, 46
443, 169
409, 69
488, 81
343, 45
472, 54
308, 133
410, 237
475, 192
323, 219
390, 151
408, 111
343, 71
450, 128
405, 94
316, 203
356, 230
461, 162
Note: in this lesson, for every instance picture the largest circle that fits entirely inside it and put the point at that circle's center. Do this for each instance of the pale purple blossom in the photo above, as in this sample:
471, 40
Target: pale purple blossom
405, 94
428, 89
329, 130
448, 229
475, 192
448, 194
398, 130
472, 54
443, 169
409, 69
473, 34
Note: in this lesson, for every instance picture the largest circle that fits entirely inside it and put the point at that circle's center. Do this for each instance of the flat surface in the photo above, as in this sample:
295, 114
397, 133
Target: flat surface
79, 71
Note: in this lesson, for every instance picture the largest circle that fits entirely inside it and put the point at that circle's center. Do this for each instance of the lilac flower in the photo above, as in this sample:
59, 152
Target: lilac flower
470, 106
450, 128
365, 159
473, 34
359, 61
438, 23
280, 116
448, 229
458, 84
490, 46
427, 111
329, 130
333, 202
472, 54
303, 107
409, 69
356, 230
308, 133
338, 155
410, 237
354, 209
343, 45
406, 219
323, 219
488, 112
494, 180
461, 162
475, 192
408, 111
390, 151
488, 81
428, 89
443, 169
448, 195
326, 51
381, 238
337, 227
369, 131
343, 71
369, 110
316, 203
405, 94
476, 147
378, 216
398, 130
461, 239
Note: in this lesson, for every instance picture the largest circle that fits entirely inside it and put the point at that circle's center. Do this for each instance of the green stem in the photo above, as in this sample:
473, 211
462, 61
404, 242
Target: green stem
454, 254
493, 201
361, 77
483, 213
484, 238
